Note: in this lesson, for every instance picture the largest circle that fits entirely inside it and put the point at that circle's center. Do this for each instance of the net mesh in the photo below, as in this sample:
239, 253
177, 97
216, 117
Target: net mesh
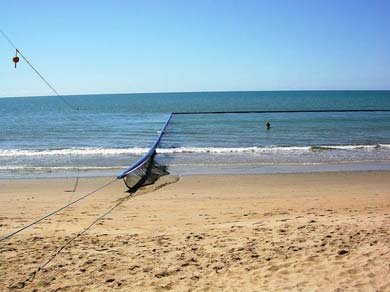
147, 173
146, 170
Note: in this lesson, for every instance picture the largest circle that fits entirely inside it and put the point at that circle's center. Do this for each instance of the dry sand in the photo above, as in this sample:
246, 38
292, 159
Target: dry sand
294, 232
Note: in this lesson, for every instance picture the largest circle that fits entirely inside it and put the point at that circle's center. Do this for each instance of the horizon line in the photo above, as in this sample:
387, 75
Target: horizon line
200, 91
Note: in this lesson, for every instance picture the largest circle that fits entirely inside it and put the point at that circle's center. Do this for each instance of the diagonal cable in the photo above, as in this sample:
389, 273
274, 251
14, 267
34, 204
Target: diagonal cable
55, 212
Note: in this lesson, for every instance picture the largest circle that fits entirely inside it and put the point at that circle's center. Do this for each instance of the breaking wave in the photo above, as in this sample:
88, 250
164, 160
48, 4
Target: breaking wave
214, 150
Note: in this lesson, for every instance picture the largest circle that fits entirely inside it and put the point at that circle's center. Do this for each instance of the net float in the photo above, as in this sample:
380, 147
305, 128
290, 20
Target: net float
16, 59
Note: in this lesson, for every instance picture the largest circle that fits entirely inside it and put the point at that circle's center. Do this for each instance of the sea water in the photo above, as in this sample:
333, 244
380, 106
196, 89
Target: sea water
43, 136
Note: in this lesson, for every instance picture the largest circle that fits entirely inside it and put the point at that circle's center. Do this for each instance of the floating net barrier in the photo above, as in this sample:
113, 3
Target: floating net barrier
282, 111
145, 170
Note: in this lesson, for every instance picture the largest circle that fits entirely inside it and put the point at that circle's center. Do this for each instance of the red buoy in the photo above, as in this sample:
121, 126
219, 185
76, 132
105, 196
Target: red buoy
16, 58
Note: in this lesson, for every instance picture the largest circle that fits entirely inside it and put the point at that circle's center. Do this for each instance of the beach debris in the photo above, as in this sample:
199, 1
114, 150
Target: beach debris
162, 274
342, 252
133, 267
217, 267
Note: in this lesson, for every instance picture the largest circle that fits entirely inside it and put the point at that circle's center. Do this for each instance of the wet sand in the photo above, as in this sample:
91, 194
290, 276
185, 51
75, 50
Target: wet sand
280, 232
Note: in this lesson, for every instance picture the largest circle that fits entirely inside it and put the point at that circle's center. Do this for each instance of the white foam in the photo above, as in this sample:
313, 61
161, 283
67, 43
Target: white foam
352, 147
57, 168
222, 150
13, 153
71, 151
268, 149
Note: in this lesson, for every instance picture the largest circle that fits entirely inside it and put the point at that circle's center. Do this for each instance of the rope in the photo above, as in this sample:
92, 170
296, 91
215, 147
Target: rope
283, 111
55, 212
77, 181
49, 85
38, 73
22, 284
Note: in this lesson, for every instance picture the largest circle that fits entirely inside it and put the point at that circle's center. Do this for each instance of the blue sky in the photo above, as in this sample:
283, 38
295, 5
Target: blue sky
113, 46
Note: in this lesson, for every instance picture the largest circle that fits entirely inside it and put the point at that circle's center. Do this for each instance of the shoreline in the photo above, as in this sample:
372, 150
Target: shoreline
270, 232
213, 169
104, 176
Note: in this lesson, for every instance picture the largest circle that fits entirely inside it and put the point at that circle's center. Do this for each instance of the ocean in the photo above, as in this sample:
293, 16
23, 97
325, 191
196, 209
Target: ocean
43, 137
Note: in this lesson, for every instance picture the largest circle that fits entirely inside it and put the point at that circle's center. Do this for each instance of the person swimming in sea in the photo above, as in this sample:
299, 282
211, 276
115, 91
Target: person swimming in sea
268, 125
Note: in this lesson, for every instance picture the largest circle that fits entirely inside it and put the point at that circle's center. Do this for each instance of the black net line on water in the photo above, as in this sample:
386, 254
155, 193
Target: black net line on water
282, 111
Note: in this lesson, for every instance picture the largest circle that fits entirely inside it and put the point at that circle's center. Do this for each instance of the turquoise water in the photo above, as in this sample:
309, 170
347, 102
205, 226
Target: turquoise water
42, 136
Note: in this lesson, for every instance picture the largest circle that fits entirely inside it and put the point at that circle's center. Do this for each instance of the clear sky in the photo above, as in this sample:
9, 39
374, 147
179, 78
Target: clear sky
114, 46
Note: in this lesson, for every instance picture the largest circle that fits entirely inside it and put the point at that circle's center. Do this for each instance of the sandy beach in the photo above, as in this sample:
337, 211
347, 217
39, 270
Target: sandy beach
283, 232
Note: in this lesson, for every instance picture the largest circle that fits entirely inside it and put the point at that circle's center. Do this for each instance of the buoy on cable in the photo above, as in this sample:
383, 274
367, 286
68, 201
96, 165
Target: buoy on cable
16, 58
